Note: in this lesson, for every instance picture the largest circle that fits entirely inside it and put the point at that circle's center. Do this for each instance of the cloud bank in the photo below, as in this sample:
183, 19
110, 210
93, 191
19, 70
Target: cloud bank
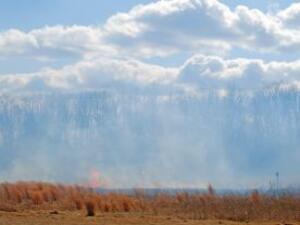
115, 52
198, 72
163, 28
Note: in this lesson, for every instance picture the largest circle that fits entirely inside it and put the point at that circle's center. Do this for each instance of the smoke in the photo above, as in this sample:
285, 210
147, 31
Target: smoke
173, 140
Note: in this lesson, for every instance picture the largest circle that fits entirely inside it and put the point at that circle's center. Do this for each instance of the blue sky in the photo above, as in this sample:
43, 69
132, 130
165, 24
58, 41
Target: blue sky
29, 14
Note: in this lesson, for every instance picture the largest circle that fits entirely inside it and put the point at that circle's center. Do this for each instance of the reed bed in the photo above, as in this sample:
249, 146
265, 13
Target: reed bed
255, 206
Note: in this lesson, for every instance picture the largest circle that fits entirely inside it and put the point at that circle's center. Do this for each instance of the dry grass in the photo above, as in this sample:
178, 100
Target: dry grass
32, 196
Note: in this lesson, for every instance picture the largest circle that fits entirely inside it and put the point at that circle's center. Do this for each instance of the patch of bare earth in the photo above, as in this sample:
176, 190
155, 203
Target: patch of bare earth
79, 218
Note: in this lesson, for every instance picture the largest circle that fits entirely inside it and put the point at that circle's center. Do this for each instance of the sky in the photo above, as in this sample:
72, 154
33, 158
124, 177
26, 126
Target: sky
155, 48
82, 29
30, 14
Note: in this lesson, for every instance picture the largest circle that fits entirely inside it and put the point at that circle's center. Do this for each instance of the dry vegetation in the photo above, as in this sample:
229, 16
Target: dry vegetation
21, 197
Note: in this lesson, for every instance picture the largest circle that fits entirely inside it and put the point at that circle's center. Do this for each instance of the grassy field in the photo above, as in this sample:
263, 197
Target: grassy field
46, 204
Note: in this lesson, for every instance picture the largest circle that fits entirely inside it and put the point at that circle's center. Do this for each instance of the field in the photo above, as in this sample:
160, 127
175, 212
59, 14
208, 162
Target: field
46, 204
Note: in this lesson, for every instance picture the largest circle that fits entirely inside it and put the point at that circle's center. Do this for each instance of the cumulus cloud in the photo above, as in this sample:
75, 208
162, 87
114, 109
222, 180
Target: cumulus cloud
164, 28
16, 42
89, 75
291, 16
54, 42
197, 73
215, 72
111, 55
169, 26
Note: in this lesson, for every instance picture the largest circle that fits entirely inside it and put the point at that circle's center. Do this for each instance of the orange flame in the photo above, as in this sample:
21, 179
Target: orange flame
94, 179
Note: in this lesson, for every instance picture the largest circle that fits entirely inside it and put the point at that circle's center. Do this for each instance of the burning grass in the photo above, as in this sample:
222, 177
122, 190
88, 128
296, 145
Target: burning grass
24, 196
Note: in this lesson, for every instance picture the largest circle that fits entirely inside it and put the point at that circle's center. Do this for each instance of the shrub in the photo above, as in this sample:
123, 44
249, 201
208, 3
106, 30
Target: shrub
90, 208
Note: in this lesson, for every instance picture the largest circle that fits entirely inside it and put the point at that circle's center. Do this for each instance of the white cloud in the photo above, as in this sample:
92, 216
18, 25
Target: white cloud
291, 16
198, 72
101, 73
170, 26
54, 42
215, 72
16, 42
166, 27
163, 28
111, 55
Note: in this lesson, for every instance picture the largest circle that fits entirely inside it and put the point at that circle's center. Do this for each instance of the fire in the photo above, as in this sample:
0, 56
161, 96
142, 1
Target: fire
94, 179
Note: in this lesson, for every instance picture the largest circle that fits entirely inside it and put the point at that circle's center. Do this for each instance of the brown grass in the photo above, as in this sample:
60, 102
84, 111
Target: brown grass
23, 196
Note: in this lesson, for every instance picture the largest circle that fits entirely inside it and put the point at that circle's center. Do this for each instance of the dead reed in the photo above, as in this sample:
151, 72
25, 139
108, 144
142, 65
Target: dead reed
254, 206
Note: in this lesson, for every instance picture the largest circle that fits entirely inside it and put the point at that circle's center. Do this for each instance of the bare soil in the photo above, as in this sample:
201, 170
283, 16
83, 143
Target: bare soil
80, 218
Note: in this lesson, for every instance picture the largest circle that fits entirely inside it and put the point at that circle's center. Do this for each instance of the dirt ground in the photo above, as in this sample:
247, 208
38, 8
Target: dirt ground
79, 218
